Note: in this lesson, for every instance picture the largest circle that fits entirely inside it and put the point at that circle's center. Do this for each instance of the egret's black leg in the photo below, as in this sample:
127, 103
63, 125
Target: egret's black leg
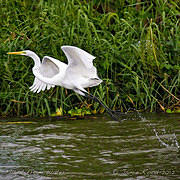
110, 112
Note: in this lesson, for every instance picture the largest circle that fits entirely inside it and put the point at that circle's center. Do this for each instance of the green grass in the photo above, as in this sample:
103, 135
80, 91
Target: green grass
137, 45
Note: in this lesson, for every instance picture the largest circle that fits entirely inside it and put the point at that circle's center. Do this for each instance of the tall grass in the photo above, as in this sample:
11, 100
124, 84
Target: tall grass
137, 45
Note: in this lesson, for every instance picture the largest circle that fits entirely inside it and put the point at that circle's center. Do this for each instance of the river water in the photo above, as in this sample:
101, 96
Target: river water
141, 146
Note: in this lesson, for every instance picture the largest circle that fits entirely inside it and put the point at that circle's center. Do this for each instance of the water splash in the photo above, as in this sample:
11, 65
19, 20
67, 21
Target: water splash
159, 139
176, 142
171, 138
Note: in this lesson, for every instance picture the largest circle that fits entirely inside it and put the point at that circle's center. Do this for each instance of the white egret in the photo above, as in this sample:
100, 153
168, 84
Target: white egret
77, 75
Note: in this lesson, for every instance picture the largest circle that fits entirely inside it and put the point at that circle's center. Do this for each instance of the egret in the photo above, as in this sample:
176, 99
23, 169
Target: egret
78, 74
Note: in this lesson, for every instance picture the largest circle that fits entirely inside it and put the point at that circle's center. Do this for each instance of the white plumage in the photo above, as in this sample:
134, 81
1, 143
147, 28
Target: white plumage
78, 74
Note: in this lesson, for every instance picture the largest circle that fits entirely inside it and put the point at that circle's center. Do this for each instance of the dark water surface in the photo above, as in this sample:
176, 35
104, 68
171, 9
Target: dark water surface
142, 146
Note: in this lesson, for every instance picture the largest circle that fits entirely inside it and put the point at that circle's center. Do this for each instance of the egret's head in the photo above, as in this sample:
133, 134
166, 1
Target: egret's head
25, 53
30, 54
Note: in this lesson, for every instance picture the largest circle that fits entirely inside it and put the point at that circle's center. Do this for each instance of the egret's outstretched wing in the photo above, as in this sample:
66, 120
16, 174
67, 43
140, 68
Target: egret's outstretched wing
80, 63
78, 56
39, 85
48, 69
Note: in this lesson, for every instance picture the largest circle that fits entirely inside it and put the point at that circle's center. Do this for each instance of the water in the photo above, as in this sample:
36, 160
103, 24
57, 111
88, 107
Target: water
142, 146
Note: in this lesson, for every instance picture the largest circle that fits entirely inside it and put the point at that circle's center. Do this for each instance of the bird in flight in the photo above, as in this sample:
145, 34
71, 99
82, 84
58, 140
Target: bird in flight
78, 74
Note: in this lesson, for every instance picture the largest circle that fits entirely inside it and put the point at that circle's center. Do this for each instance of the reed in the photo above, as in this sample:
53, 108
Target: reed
136, 44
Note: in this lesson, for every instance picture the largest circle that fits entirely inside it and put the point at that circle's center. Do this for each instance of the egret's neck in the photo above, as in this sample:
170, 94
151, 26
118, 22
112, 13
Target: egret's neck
36, 59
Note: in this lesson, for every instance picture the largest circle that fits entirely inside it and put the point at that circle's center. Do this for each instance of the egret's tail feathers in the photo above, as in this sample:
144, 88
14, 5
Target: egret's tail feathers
39, 86
94, 82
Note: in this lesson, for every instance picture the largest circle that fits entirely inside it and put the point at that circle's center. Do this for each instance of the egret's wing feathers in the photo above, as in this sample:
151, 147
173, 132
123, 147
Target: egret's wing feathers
80, 63
39, 85
77, 56
48, 69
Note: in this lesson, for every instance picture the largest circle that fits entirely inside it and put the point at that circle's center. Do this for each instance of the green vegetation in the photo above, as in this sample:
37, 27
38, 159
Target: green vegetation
137, 45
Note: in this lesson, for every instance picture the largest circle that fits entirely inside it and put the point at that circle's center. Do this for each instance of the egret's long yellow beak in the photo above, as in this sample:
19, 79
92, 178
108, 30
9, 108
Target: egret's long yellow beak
17, 53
